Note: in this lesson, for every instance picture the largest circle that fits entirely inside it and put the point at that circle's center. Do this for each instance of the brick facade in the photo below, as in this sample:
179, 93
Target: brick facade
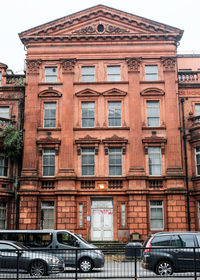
102, 37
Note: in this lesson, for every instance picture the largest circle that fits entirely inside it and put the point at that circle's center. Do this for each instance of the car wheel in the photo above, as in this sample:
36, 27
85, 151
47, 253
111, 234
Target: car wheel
85, 265
164, 267
38, 268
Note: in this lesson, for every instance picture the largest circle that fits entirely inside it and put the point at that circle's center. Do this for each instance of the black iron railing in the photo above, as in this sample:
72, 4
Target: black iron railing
130, 262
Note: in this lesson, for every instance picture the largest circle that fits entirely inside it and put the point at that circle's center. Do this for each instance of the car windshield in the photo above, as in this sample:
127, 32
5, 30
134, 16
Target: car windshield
21, 246
81, 238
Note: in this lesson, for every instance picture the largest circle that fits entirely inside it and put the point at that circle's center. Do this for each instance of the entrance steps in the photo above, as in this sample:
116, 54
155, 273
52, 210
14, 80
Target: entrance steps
110, 247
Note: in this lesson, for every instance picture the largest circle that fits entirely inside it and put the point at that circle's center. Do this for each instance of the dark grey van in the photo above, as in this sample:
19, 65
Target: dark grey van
88, 257
168, 252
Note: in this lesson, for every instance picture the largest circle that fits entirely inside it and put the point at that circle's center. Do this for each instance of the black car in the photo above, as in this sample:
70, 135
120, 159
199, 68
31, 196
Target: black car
14, 255
168, 252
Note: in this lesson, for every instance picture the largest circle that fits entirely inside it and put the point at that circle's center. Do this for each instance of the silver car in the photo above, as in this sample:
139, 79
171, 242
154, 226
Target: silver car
14, 255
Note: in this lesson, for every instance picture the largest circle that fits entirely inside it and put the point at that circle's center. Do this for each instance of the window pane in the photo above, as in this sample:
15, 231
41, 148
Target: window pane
156, 214
161, 241
113, 73
187, 240
4, 112
115, 161
80, 215
87, 162
88, 74
151, 72
50, 74
88, 114
50, 115
3, 166
2, 215
114, 113
153, 113
48, 162
197, 109
155, 166
47, 215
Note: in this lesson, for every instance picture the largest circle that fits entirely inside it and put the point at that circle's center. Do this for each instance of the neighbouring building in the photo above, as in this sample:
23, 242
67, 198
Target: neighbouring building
104, 132
12, 88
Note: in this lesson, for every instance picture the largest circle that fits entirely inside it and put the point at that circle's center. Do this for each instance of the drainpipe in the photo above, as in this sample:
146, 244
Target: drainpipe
186, 163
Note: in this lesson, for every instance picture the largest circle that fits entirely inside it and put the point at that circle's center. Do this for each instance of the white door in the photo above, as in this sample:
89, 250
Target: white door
102, 220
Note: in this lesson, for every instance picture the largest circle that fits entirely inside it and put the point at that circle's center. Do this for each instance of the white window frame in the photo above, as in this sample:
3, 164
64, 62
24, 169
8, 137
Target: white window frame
114, 151
50, 153
153, 113
115, 108
113, 73
197, 153
123, 214
151, 73
47, 107
87, 109
87, 151
80, 215
160, 205
51, 77
88, 74
45, 206
151, 152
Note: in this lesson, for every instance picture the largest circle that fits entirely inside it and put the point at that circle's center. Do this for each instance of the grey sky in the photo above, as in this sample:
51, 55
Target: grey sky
20, 15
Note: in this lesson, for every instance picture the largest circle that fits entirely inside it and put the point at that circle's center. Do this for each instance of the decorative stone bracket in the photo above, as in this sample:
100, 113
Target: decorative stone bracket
169, 63
154, 141
33, 66
68, 65
87, 141
49, 142
115, 141
133, 64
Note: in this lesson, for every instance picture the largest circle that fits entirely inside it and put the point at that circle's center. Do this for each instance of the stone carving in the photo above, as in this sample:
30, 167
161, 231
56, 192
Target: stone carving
134, 64
108, 29
33, 66
68, 64
169, 63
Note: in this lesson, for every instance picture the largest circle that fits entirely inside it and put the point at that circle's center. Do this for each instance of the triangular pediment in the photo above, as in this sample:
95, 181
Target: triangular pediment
87, 92
114, 92
100, 22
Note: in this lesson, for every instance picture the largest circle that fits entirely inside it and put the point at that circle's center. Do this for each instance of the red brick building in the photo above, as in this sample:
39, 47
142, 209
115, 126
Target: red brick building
12, 88
103, 150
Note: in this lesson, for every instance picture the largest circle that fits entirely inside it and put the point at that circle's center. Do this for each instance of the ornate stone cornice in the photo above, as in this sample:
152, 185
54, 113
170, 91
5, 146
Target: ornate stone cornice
154, 141
169, 63
48, 142
152, 92
115, 141
68, 64
133, 64
33, 66
87, 141
49, 93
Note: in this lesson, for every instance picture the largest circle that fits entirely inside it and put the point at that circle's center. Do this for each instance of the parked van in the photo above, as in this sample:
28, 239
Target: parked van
87, 259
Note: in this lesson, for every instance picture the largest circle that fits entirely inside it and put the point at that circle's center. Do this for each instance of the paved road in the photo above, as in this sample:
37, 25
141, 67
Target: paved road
115, 268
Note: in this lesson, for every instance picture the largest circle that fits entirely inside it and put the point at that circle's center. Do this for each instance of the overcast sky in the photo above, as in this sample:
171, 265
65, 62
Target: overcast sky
19, 15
